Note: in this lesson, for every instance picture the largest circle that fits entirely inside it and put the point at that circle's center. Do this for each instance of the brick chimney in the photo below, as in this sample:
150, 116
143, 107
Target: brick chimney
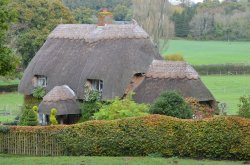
104, 17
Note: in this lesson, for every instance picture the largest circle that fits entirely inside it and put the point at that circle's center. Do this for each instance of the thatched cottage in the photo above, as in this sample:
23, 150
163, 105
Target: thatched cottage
105, 57
109, 59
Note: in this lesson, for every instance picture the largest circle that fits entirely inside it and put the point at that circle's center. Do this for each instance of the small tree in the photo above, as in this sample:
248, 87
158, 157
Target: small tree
32, 118
171, 104
244, 106
52, 117
29, 116
119, 109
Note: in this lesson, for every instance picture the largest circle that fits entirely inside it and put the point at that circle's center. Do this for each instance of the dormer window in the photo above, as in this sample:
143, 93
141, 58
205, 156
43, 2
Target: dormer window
39, 81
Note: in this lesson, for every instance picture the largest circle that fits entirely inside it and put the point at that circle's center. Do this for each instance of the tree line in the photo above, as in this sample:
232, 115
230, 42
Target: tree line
25, 24
213, 20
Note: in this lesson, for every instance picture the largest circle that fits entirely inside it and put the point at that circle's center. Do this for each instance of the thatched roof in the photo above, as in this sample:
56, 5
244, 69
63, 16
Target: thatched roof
171, 69
91, 33
74, 53
63, 99
171, 76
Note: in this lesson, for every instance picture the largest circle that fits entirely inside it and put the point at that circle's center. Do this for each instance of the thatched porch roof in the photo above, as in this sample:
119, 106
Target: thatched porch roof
73, 54
63, 99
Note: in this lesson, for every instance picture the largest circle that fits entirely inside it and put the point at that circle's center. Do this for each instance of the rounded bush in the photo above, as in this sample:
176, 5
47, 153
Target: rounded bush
171, 104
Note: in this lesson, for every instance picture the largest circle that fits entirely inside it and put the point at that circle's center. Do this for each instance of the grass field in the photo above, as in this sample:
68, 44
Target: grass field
10, 102
210, 52
228, 89
20, 160
9, 82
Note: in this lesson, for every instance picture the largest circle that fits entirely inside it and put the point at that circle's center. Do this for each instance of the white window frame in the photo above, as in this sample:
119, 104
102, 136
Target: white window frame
41, 81
97, 85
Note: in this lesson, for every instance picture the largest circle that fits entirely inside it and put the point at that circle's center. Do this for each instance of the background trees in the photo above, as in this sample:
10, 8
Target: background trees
9, 61
36, 19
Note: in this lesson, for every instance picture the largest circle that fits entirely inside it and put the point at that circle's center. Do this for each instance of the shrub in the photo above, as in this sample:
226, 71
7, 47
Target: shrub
29, 116
174, 57
171, 104
4, 129
88, 109
52, 117
119, 109
31, 119
92, 104
215, 138
244, 107
39, 92
200, 111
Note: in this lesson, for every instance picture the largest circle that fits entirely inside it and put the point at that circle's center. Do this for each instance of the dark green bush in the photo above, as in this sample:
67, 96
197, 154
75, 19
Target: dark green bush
215, 138
171, 104
4, 129
88, 109
244, 107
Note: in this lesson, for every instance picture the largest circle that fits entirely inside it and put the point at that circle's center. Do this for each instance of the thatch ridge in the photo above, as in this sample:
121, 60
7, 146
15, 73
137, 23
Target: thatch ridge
171, 69
92, 33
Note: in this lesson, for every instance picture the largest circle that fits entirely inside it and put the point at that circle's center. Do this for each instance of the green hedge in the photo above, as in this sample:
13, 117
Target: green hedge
216, 138
225, 69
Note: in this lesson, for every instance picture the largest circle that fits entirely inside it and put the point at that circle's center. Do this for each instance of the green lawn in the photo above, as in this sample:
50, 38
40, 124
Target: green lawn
228, 89
9, 82
210, 52
21, 160
10, 102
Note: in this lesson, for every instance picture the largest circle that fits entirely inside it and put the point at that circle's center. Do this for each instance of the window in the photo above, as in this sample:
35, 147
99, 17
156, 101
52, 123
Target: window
96, 85
39, 80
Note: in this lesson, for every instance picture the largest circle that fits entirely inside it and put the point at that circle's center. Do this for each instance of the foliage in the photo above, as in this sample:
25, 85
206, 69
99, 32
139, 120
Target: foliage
216, 138
28, 117
118, 109
174, 57
39, 92
244, 106
182, 19
88, 109
96, 4
35, 21
35, 109
84, 15
4, 129
52, 117
171, 104
9, 61
121, 13
223, 69
200, 111
91, 95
